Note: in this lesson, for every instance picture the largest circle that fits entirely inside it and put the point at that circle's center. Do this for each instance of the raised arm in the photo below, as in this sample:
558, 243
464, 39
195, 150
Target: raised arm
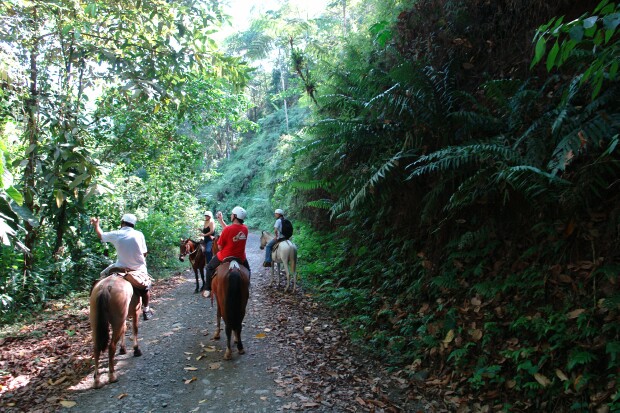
95, 222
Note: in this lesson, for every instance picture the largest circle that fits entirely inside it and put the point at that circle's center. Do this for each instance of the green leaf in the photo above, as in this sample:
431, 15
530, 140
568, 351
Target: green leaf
539, 51
552, 56
576, 33
590, 22
15, 195
60, 198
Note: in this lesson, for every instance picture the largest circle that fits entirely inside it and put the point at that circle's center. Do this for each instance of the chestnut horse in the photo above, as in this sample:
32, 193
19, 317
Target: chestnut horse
231, 287
111, 301
197, 258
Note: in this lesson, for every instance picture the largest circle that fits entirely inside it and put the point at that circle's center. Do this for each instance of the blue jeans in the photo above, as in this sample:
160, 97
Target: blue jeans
208, 249
268, 249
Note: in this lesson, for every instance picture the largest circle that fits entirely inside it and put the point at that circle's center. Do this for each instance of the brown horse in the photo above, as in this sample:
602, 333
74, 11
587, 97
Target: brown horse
197, 258
111, 301
231, 286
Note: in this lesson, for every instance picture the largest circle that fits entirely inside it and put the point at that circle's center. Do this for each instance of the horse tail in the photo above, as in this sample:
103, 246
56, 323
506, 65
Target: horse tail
233, 299
293, 259
102, 320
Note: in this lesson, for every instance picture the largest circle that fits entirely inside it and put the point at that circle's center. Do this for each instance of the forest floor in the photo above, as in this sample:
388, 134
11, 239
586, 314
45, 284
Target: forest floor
297, 358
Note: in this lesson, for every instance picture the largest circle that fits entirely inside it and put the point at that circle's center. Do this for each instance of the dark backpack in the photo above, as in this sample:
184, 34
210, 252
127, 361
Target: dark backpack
287, 228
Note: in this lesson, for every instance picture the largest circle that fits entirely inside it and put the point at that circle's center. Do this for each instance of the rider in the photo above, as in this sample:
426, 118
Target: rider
208, 232
131, 257
231, 244
277, 230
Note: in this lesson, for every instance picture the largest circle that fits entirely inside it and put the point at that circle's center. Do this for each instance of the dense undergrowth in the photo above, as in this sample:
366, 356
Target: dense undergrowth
473, 202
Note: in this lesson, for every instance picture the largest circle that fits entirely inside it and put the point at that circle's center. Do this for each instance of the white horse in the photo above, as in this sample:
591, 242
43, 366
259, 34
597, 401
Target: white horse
285, 253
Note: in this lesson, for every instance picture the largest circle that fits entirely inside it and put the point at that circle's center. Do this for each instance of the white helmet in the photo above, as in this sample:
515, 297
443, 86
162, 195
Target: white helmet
239, 212
278, 211
209, 213
130, 219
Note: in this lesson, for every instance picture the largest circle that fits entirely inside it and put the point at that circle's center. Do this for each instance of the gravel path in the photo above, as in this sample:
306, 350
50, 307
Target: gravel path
177, 340
297, 357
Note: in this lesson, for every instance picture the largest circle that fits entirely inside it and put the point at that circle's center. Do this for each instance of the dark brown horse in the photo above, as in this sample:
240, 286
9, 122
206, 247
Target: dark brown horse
197, 258
111, 301
231, 286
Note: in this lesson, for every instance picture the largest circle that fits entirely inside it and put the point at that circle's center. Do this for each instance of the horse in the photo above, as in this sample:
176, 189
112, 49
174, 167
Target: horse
231, 287
197, 258
112, 301
284, 253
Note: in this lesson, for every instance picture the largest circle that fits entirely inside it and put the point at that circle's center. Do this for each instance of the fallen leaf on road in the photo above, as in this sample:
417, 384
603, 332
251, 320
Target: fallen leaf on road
199, 357
190, 368
187, 353
261, 335
60, 380
122, 395
202, 401
215, 366
188, 381
67, 403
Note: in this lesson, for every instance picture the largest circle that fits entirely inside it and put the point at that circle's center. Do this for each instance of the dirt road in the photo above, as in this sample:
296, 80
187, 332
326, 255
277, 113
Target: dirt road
296, 359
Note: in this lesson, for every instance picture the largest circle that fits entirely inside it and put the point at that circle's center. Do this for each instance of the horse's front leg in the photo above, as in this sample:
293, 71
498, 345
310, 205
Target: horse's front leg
272, 268
134, 325
123, 349
197, 284
202, 277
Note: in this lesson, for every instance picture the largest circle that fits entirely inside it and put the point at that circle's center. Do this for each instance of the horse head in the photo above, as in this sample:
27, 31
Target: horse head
264, 239
183, 249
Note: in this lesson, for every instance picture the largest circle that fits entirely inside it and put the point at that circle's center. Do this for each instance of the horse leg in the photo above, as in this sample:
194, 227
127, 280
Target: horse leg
197, 284
286, 271
97, 384
238, 340
118, 331
123, 349
218, 318
202, 277
228, 353
133, 312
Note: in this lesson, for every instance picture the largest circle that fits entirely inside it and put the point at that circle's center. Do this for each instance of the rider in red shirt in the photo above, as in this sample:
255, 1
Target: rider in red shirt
231, 243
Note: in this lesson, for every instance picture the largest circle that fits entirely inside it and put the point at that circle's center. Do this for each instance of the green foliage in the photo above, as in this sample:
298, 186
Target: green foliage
590, 42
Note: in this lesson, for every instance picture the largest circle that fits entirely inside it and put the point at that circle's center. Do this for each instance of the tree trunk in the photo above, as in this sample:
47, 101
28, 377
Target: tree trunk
284, 98
32, 132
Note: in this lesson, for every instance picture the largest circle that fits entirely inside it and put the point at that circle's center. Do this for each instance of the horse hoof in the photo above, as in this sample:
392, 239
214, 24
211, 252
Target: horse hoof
228, 355
216, 337
97, 385
122, 351
196, 290
137, 352
113, 378
241, 351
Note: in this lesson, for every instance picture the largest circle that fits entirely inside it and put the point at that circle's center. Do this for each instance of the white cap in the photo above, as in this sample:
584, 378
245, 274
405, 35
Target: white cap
130, 219
278, 211
209, 213
239, 212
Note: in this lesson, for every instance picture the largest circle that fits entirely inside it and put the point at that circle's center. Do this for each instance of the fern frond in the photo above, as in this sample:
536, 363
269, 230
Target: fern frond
310, 185
321, 203
455, 157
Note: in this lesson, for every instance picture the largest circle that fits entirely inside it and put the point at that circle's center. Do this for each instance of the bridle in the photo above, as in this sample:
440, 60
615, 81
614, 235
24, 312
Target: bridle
187, 250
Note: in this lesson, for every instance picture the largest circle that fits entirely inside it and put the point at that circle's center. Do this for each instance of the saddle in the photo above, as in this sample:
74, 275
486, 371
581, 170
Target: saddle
138, 279
277, 244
